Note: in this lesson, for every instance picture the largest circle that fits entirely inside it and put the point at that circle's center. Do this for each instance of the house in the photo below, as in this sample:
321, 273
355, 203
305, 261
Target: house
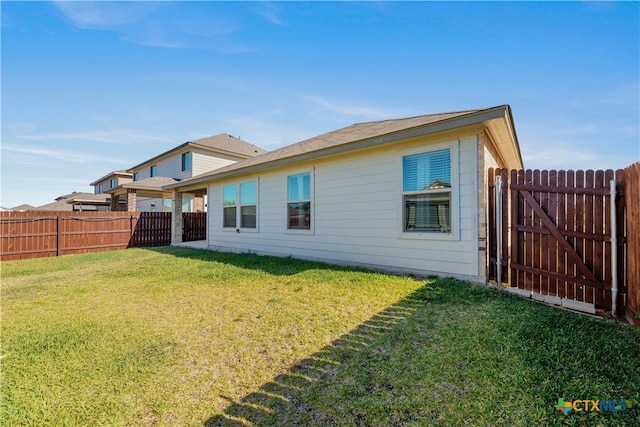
78, 201
110, 181
141, 187
22, 208
405, 195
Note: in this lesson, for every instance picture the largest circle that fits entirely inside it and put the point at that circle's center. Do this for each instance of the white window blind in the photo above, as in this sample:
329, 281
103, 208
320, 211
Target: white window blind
427, 171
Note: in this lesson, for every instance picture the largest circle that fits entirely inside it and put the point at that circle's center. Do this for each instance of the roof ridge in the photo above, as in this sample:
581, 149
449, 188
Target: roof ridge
421, 115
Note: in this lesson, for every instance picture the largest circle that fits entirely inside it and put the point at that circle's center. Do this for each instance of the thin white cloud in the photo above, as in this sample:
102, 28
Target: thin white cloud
59, 155
112, 137
167, 25
270, 12
267, 134
86, 14
348, 110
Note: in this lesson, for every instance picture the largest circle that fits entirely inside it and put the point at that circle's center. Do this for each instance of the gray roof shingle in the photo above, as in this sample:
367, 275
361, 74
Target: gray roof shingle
337, 138
231, 144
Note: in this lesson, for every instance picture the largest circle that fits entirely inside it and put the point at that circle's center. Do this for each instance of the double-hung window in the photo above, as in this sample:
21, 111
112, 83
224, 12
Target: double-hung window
186, 161
245, 197
299, 201
248, 205
427, 192
229, 203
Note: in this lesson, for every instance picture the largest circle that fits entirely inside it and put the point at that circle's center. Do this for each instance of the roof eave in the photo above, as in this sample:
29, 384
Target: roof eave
474, 118
114, 173
507, 140
183, 146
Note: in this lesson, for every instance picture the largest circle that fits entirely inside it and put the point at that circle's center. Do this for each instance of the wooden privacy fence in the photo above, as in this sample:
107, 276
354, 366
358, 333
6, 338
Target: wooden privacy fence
45, 233
194, 226
557, 240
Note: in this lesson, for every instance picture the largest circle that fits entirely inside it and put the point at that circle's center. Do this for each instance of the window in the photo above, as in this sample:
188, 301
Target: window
229, 202
99, 189
186, 161
248, 205
153, 171
427, 192
166, 205
186, 204
299, 201
112, 183
247, 196
136, 176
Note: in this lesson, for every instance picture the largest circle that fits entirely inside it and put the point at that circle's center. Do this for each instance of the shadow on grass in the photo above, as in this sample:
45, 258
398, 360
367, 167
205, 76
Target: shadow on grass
452, 354
448, 354
280, 266
284, 401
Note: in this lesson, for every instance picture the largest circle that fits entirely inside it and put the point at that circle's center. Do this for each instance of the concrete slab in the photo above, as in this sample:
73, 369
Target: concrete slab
579, 306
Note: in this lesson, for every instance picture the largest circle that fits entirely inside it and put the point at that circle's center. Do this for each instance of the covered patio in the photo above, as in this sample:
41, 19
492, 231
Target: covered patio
126, 196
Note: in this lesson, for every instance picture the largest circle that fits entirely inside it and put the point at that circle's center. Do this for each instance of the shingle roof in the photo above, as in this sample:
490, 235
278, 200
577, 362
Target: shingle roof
154, 183
23, 207
60, 205
231, 144
75, 194
114, 173
88, 198
223, 142
65, 202
368, 131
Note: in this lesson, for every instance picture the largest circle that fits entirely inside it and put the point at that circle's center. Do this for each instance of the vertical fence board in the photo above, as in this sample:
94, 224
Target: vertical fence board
492, 241
543, 239
631, 181
561, 210
588, 229
551, 244
504, 174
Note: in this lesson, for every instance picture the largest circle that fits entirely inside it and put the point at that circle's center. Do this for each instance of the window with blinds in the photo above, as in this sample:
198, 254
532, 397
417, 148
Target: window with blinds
299, 201
426, 181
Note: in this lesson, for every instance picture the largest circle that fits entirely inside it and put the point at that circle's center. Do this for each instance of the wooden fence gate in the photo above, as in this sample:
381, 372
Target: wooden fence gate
557, 241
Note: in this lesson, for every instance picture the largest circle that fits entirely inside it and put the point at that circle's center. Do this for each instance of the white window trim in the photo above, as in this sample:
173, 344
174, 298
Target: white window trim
238, 228
312, 228
454, 235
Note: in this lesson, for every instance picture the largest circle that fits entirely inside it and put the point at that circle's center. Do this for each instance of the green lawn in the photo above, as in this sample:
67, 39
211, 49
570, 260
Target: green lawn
176, 336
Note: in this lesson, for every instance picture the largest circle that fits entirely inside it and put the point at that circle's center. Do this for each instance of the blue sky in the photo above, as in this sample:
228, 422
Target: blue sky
88, 88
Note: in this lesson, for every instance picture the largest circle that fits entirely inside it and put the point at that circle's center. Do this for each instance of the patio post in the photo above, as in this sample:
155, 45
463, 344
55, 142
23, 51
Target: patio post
176, 217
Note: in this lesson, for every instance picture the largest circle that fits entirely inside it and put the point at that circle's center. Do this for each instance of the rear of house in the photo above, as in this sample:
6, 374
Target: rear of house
403, 195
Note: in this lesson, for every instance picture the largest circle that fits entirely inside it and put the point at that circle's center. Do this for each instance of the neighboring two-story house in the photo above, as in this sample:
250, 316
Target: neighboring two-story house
140, 188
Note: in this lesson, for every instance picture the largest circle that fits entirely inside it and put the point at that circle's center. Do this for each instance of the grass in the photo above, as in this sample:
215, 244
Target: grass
185, 337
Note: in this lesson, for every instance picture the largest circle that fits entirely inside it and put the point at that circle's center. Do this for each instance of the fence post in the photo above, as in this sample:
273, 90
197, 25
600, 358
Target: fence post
130, 245
58, 235
614, 248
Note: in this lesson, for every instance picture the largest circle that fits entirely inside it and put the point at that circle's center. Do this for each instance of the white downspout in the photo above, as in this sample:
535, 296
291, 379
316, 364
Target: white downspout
614, 248
499, 229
